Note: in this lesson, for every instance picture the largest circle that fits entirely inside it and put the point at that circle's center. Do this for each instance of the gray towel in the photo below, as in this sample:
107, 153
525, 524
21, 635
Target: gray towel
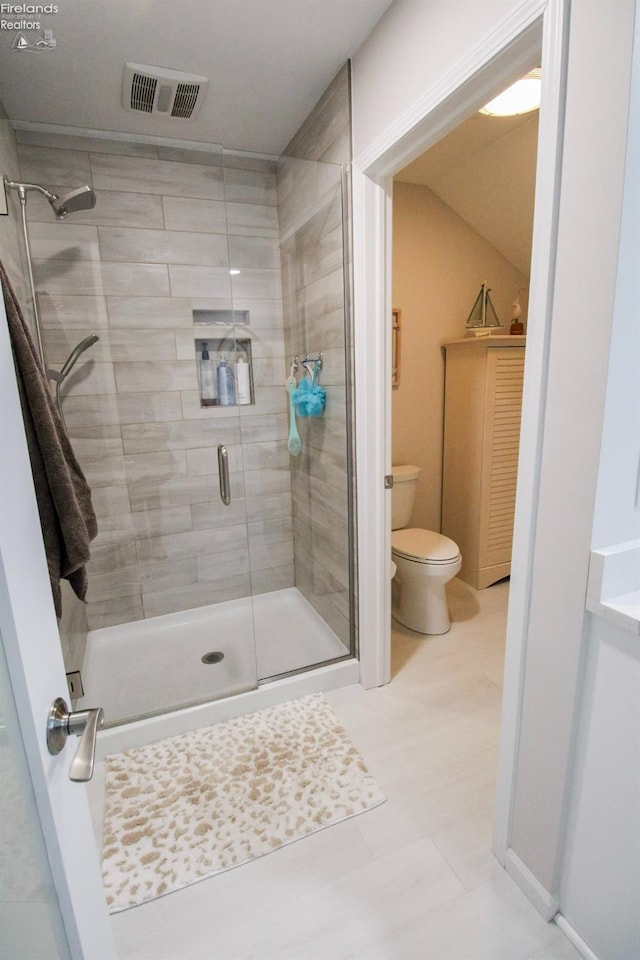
64, 498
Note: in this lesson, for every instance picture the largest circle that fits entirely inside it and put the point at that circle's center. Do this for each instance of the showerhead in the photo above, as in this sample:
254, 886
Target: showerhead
82, 198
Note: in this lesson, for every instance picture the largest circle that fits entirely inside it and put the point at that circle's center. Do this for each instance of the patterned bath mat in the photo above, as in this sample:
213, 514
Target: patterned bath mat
195, 805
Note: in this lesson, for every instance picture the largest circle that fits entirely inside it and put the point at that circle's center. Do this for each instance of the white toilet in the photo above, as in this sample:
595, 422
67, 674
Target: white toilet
425, 562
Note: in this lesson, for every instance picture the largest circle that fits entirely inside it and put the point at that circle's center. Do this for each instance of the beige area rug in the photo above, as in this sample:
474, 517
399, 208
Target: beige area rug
186, 808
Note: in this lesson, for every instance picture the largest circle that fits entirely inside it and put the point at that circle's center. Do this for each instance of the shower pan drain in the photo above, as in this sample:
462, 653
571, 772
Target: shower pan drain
214, 657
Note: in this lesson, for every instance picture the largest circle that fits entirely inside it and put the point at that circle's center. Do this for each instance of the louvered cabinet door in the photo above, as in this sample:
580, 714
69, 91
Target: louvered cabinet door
482, 407
501, 439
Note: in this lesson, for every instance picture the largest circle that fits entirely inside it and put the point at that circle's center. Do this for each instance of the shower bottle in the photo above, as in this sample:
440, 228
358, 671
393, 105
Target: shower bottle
226, 390
207, 378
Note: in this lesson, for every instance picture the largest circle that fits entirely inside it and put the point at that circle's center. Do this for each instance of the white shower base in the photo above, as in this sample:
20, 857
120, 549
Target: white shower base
152, 666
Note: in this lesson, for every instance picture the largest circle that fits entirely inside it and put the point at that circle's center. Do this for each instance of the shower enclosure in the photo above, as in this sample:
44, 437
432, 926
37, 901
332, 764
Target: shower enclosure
192, 260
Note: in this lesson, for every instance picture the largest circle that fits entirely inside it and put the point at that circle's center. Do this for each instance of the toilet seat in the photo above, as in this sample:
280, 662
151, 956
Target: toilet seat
424, 546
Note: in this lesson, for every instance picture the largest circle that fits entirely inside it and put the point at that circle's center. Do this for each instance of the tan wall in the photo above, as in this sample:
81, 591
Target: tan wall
439, 263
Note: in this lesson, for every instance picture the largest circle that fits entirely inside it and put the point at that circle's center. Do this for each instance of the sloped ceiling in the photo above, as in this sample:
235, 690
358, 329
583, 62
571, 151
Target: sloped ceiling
268, 62
485, 170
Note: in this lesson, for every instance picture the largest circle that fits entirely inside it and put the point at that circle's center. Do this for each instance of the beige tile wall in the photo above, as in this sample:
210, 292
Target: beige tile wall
316, 310
167, 226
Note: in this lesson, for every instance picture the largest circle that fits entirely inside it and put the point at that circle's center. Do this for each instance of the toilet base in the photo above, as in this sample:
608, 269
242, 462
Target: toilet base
420, 603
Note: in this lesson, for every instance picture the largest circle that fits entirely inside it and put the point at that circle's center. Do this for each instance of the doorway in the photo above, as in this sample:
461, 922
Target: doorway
492, 70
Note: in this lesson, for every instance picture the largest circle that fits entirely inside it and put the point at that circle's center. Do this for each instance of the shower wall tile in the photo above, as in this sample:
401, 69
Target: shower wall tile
155, 466
266, 454
179, 435
254, 252
268, 372
256, 284
264, 556
48, 242
266, 481
104, 472
201, 216
109, 554
147, 376
158, 523
204, 461
270, 531
267, 400
215, 513
262, 313
234, 561
164, 246
98, 279
272, 578
149, 313
212, 156
199, 281
157, 176
47, 165
148, 407
117, 209
243, 161
195, 543
154, 494
95, 442
67, 312
88, 378
263, 428
93, 410
251, 219
269, 508
165, 576
122, 582
196, 595
113, 345
249, 186
69, 142
108, 613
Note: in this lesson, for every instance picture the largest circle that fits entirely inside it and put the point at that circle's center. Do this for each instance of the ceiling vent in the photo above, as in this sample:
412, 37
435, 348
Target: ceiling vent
156, 90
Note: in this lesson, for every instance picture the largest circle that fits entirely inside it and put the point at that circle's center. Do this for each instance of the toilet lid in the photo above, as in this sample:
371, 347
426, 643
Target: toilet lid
425, 546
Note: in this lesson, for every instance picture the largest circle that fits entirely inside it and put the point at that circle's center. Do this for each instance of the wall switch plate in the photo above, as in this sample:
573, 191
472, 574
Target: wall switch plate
74, 682
4, 206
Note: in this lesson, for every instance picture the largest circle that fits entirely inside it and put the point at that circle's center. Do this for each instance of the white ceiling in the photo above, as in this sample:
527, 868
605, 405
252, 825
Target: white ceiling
268, 62
485, 170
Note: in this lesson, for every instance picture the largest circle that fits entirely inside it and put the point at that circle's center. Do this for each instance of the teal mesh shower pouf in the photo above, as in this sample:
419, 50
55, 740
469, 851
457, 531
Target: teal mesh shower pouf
309, 399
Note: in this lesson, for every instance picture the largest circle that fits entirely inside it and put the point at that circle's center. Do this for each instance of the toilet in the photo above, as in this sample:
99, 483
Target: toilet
425, 562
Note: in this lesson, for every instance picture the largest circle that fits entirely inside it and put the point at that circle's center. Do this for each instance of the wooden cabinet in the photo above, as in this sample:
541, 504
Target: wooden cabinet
482, 410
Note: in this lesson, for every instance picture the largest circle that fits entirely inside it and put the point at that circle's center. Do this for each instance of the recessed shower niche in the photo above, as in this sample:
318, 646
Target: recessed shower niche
225, 371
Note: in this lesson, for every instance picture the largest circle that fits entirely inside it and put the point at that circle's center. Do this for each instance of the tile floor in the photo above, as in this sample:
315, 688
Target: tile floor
413, 879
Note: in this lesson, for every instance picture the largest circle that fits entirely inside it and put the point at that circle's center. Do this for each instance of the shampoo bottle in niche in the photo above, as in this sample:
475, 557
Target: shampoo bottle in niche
207, 378
226, 392
243, 383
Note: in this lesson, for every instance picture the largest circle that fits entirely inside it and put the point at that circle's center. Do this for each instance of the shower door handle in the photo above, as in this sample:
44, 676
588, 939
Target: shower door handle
223, 474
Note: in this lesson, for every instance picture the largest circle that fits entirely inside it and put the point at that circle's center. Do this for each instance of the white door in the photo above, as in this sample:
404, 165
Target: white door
29, 632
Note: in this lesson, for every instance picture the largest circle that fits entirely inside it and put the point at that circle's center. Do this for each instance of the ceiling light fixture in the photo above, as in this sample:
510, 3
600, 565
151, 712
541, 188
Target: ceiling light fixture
523, 96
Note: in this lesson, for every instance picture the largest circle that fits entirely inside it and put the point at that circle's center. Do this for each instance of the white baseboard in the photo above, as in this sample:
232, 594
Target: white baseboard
574, 938
545, 903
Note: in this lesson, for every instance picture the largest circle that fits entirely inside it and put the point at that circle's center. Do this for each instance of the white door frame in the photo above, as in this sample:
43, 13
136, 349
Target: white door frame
29, 632
503, 56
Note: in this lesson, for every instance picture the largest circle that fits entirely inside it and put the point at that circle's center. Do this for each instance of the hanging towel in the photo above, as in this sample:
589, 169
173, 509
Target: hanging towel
64, 498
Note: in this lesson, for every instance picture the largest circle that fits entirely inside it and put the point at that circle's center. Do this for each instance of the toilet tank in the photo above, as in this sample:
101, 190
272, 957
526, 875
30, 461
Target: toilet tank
403, 494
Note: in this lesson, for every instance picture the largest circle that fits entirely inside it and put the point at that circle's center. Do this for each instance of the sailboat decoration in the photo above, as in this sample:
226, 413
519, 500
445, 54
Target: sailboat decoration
483, 314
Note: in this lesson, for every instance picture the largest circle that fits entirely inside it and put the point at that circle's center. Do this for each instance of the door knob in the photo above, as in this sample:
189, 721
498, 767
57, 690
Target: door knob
84, 724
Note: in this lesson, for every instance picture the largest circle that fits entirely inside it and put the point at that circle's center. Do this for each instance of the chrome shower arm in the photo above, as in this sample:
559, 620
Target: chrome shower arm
23, 187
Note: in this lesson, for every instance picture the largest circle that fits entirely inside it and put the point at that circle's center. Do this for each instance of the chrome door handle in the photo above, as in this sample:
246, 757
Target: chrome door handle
84, 724
223, 474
